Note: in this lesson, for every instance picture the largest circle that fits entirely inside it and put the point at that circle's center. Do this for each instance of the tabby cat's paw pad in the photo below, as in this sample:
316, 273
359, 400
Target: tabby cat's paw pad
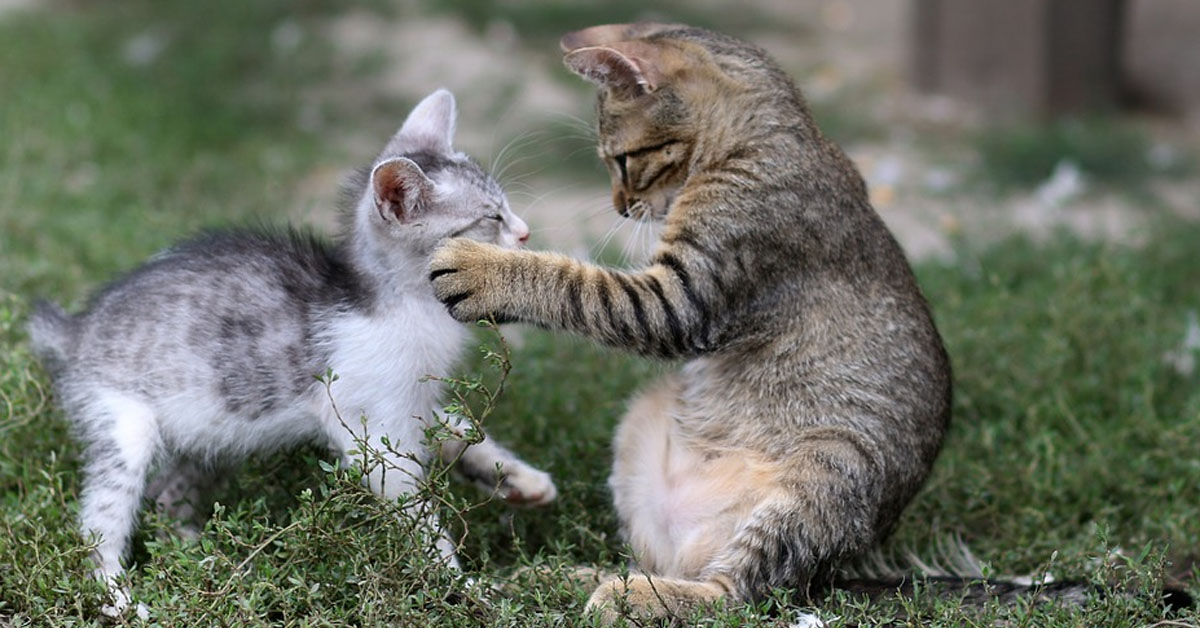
526, 486
462, 272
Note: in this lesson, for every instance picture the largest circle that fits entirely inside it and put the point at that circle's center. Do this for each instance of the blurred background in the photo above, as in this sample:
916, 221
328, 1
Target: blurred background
971, 119
1038, 160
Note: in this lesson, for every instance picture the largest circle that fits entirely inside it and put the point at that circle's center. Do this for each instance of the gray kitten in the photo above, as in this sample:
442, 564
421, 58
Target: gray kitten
208, 352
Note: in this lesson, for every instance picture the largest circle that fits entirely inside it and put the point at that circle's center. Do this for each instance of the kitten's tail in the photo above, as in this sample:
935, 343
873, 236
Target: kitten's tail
50, 332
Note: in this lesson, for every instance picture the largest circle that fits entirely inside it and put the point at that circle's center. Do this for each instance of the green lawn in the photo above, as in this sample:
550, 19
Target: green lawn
1073, 438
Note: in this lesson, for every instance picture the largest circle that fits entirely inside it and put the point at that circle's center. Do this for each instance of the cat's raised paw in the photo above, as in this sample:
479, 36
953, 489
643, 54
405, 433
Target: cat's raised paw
466, 277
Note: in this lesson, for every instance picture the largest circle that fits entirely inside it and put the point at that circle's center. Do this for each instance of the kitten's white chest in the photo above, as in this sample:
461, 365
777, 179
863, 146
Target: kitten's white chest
383, 360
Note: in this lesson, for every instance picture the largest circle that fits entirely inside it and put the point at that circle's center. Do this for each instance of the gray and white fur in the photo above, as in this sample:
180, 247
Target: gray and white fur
209, 352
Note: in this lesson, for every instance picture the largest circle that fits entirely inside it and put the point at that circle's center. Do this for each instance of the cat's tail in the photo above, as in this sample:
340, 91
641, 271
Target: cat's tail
50, 333
974, 592
957, 574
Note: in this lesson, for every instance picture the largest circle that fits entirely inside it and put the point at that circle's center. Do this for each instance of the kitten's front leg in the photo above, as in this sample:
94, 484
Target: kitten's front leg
493, 468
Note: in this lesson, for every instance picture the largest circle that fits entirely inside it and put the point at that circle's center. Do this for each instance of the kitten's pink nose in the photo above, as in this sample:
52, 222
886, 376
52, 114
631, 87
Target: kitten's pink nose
519, 229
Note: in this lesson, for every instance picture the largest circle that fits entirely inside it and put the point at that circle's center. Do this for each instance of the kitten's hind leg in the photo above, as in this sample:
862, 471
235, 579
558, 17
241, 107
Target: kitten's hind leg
493, 468
178, 492
122, 437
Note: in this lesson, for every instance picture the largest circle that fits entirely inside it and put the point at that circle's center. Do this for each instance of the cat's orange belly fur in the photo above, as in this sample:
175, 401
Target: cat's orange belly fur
680, 504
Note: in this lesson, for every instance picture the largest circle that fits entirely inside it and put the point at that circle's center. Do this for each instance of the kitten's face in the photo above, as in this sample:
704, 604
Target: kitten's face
422, 191
465, 203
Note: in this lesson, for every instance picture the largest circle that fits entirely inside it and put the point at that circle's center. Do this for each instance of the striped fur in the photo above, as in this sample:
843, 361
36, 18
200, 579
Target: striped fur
815, 392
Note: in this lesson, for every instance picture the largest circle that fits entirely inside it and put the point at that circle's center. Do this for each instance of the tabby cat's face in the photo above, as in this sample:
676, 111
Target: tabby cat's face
661, 96
647, 112
646, 157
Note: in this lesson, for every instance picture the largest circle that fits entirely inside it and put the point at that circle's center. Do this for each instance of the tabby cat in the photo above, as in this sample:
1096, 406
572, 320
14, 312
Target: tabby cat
815, 392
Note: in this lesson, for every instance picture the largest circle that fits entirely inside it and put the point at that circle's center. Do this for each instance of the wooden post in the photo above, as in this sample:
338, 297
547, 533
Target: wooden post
1019, 56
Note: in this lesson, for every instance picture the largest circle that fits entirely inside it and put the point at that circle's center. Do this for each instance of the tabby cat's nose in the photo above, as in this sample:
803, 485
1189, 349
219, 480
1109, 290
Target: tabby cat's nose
620, 204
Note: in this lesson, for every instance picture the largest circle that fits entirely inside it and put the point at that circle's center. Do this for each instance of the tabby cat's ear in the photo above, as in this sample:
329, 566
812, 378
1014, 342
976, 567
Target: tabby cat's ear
429, 127
399, 189
629, 66
607, 34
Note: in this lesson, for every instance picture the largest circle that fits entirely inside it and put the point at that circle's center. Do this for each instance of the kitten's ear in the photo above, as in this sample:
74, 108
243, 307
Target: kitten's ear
429, 127
628, 66
399, 189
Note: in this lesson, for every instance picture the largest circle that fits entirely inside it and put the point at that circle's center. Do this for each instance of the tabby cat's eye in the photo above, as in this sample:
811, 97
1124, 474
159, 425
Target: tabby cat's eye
621, 164
649, 149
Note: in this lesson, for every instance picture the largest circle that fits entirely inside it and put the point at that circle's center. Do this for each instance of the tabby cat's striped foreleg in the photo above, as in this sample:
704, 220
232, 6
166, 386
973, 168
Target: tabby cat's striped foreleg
665, 310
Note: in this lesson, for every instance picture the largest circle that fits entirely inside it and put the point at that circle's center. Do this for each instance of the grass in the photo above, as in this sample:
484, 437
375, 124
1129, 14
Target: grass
1109, 151
1073, 437
168, 142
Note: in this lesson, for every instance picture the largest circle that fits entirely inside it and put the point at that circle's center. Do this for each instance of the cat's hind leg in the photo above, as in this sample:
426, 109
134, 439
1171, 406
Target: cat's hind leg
643, 596
729, 525
693, 513
122, 438
672, 513
789, 537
